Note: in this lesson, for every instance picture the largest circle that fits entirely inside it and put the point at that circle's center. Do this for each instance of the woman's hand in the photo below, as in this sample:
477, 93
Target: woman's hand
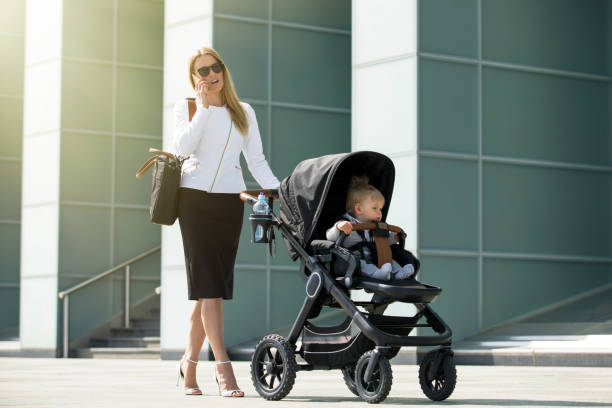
201, 89
345, 226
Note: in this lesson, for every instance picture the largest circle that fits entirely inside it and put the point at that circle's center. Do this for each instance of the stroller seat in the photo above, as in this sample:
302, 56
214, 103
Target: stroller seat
402, 290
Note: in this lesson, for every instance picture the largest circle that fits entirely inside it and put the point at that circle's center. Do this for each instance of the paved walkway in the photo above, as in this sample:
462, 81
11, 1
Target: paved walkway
84, 383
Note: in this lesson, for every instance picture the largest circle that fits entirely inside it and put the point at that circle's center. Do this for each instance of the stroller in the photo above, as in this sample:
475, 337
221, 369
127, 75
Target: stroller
311, 199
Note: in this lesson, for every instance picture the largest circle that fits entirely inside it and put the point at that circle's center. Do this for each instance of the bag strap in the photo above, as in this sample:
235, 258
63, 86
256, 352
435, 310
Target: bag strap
146, 166
191, 104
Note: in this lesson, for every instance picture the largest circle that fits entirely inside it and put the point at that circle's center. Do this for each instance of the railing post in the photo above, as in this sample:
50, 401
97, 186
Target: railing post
66, 321
127, 297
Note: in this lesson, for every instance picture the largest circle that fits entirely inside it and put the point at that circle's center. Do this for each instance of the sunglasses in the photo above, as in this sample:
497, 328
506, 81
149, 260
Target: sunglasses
204, 71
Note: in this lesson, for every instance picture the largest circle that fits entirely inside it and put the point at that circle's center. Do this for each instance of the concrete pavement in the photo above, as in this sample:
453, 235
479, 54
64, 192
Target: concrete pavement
30, 382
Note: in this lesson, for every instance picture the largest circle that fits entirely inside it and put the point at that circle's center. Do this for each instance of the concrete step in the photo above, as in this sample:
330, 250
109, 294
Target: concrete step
125, 342
134, 332
144, 323
140, 353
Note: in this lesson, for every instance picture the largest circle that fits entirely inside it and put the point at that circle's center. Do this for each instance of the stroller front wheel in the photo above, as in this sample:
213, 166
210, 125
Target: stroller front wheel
438, 375
377, 388
273, 367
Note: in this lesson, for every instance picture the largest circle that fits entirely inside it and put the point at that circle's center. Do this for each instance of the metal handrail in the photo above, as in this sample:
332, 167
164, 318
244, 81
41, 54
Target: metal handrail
65, 294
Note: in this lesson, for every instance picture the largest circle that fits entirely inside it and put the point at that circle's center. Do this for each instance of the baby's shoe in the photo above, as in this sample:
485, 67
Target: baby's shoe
384, 273
406, 272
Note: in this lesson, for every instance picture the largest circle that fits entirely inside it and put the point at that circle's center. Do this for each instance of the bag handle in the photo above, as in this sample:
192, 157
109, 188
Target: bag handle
146, 166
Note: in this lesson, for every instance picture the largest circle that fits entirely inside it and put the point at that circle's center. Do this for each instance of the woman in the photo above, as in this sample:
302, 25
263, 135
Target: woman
210, 210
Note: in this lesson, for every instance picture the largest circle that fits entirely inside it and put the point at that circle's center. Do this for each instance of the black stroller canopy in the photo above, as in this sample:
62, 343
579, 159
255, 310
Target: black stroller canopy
314, 195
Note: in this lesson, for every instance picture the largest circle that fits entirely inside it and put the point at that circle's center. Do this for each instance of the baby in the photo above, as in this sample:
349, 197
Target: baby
364, 203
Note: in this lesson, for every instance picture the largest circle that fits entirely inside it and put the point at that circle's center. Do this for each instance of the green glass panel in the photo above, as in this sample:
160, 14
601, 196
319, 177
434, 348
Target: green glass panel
458, 303
12, 18
10, 246
249, 253
244, 8
281, 258
85, 167
448, 204
247, 310
140, 32
289, 294
309, 67
140, 290
129, 156
302, 134
448, 91
545, 117
10, 185
324, 13
89, 307
261, 113
139, 101
87, 96
9, 318
88, 29
11, 80
11, 125
134, 234
546, 33
547, 210
533, 285
84, 240
244, 49
449, 27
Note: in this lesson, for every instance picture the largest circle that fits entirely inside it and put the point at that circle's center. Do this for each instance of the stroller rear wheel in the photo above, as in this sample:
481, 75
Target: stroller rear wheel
438, 384
348, 373
377, 388
273, 367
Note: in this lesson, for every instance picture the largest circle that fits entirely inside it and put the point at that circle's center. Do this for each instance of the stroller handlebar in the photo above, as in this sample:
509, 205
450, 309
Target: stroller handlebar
250, 196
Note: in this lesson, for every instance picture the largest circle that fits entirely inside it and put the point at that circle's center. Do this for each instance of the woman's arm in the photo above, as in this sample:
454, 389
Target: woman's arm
253, 153
187, 135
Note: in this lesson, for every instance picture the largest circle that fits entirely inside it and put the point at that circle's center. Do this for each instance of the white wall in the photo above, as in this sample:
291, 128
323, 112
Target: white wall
40, 189
188, 26
384, 105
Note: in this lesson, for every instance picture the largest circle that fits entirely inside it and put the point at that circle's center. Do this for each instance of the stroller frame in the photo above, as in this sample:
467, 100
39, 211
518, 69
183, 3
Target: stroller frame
437, 372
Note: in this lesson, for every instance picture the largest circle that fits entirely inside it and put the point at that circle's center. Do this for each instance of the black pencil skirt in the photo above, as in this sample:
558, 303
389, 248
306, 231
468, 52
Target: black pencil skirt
210, 226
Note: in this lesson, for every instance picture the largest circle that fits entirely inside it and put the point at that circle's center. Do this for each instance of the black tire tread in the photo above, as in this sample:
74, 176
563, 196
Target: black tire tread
349, 381
385, 372
290, 368
450, 377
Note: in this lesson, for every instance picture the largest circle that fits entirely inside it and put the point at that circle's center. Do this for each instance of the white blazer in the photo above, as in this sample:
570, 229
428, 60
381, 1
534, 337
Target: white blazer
205, 140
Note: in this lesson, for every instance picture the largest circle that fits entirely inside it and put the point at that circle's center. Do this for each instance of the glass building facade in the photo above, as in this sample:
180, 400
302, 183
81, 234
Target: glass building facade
496, 113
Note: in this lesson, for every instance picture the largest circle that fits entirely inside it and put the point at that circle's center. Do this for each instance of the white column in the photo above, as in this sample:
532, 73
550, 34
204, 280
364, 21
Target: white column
40, 189
188, 26
384, 92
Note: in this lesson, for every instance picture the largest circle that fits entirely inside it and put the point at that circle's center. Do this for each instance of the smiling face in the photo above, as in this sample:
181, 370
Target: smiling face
214, 79
369, 210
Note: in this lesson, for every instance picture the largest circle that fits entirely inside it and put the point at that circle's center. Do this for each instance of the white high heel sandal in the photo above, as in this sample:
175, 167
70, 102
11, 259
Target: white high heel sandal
180, 376
227, 393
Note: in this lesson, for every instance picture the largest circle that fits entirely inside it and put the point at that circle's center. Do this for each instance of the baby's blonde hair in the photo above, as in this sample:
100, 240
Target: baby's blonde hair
359, 190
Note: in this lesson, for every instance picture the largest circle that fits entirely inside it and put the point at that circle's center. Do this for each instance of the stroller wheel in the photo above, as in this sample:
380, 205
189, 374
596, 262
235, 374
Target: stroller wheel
273, 367
377, 388
438, 384
348, 373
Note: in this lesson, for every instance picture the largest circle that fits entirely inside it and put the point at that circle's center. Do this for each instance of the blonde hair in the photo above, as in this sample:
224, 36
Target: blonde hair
359, 190
228, 92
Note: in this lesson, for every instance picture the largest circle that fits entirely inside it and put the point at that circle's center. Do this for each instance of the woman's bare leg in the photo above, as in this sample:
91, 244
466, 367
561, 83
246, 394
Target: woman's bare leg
212, 316
194, 345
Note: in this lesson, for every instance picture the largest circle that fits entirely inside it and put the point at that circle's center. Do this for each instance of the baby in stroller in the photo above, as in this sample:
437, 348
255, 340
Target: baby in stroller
364, 203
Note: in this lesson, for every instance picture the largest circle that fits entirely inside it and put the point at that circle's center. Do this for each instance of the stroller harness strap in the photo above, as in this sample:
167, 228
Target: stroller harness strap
381, 232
